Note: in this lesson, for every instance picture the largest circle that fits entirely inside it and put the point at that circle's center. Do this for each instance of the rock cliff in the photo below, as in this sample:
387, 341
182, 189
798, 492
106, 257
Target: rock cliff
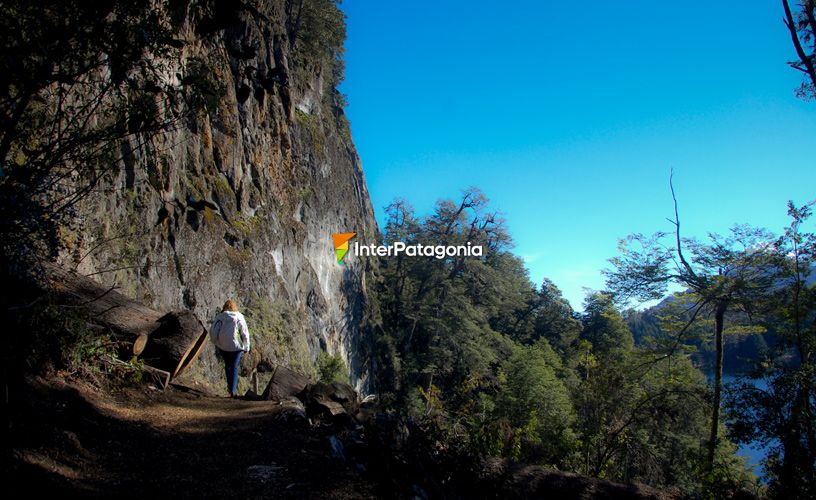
241, 199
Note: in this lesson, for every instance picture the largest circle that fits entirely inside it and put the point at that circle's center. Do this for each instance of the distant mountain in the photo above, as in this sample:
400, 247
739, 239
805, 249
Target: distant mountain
741, 351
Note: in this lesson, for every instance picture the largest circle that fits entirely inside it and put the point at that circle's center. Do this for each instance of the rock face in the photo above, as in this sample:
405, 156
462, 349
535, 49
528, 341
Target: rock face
241, 199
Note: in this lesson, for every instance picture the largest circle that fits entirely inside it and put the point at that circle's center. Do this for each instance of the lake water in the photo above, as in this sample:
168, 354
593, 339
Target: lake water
755, 452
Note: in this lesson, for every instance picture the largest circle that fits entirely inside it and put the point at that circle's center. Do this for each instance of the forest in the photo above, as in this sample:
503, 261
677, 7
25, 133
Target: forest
506, 367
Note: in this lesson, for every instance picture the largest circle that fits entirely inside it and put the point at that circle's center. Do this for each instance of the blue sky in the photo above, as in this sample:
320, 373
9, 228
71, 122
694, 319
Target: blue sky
569, 116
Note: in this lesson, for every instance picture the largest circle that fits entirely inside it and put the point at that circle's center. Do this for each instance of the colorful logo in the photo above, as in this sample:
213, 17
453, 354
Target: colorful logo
341, 245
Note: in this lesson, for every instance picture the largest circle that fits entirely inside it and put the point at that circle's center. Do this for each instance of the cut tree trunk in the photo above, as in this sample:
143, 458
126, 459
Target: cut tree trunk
176, 343
139, 344
127, 319
168, 342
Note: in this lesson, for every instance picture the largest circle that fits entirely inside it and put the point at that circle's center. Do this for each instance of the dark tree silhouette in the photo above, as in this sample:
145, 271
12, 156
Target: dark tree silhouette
802, 26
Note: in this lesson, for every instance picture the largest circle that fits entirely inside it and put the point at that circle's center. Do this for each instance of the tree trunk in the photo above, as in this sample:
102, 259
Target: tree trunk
139, 344
176, 343
127, 319
169, 342
719, 316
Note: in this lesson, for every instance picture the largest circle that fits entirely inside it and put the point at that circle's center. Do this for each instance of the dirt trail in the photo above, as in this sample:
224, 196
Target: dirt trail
73, 438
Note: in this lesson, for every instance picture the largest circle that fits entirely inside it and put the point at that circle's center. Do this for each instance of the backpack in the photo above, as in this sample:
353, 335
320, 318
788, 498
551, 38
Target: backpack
220, 338
215, 331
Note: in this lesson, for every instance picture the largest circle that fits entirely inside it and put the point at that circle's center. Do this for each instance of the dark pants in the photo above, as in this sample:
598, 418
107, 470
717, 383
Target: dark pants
232, 360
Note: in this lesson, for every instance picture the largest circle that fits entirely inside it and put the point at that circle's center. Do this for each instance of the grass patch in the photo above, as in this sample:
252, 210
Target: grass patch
247, 226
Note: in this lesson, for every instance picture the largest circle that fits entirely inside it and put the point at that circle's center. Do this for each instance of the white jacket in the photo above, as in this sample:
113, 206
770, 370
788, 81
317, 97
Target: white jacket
229, 332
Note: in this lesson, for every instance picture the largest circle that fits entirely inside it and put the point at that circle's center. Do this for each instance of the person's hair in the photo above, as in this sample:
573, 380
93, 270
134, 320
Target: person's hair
230, 305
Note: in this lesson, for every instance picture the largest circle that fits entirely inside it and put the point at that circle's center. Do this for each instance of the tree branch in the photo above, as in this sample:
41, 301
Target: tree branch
676, 223
797, 44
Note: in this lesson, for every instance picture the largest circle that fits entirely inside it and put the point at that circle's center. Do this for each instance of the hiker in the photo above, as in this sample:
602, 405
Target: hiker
230, 335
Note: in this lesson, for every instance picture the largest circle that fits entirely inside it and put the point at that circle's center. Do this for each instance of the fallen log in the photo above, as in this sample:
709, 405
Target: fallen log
176, 343
139, 344
126, 318
169, 342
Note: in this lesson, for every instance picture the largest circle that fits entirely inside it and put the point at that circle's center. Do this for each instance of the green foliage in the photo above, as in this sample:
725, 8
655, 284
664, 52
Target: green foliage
537, 406
476, 351
319, 28
643, 419
305, 193
343, 125
210, 216
451, 323
782, 414
59, 338
729, 474
760, 281
247, 226
332, 368
605, 328
724, 275
801, 22
223, 189
555, 320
